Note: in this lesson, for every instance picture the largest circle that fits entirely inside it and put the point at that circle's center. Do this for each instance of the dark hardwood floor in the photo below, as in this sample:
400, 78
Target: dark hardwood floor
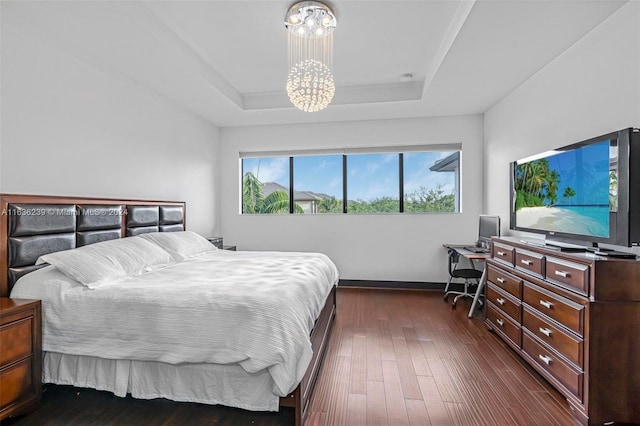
395, 358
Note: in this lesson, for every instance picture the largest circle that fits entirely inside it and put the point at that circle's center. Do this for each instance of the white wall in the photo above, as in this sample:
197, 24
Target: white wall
591, 89
397, 247
69, 129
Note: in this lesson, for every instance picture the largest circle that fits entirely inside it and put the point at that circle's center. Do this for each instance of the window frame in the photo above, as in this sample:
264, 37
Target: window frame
345, 152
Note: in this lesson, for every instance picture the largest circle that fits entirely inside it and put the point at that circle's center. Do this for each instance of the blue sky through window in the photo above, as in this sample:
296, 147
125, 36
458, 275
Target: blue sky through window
372, 176
268, 169
319, 173
417, 173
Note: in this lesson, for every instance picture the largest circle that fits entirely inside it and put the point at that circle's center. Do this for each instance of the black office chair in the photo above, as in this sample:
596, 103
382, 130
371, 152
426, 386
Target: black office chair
471, 277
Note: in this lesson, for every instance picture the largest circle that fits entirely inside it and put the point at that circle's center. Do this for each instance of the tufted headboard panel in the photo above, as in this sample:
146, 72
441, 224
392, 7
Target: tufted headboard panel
33, 225
97, 223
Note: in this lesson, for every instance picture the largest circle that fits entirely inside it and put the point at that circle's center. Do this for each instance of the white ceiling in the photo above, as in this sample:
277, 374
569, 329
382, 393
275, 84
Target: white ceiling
226, 61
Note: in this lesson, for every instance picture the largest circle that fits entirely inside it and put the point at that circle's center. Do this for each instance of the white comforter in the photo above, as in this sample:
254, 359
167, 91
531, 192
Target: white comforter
255, 309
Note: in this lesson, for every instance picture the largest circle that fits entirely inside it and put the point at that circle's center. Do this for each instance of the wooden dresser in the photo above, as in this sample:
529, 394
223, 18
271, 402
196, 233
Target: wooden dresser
20, 356
575, 318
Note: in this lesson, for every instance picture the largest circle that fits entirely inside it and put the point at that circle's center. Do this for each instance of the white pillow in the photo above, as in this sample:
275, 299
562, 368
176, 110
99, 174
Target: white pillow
181, 245
108, 261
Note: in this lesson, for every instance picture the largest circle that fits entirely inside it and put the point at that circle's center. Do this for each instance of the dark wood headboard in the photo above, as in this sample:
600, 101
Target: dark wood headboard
34, 225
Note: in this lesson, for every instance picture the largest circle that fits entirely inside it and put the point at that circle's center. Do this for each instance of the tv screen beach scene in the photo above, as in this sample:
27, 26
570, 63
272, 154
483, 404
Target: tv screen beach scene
569, 191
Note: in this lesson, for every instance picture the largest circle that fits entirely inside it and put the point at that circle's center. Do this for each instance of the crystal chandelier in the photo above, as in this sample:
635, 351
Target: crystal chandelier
310, 26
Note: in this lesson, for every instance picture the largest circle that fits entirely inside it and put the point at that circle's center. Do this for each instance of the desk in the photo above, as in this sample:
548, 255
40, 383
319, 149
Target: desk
460, 248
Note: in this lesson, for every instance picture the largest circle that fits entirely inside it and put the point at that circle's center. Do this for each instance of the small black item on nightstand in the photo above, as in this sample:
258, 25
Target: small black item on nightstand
216, 241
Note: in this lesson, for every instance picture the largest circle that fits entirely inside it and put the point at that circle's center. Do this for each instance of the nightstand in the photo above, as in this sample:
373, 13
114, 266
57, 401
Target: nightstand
216, 241
20, 356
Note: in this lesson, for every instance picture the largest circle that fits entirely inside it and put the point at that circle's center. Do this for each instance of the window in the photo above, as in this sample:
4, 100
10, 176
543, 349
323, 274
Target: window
373, 183
265, 185
431, 181
317, 184
422, 179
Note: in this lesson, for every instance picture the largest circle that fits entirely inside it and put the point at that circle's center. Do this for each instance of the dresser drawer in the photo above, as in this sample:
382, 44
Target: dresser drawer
568, 274
505, 303
570, 346
15, 383
566, 312
503, 253
568, 376
504, 325
16, 341
509, 283
530, 262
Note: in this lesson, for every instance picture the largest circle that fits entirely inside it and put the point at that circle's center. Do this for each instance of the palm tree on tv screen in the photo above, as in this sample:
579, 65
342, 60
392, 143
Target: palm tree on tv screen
536, 184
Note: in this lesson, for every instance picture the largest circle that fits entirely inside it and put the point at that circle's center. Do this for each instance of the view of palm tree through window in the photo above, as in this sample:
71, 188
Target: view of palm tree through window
428, 182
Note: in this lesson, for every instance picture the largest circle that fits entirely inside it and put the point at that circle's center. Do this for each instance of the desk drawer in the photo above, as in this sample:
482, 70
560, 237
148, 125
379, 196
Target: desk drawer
504, 325
566, 312
568, 274
570, 378
502, 252
505, 303
530, 262
507, 282
570, 346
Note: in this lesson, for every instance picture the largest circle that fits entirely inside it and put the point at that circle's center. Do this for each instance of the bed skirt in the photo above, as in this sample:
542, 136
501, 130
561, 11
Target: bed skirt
227, 385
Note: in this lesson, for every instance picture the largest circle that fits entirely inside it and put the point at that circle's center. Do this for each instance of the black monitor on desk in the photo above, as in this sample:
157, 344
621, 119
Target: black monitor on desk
488, 226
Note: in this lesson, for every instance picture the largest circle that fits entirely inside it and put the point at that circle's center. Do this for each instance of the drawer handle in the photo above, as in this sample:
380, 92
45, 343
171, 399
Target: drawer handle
546, 304
500, 322
562, 274
547, 360
545, 331
501, 280
526, 262
501, 253
500, 300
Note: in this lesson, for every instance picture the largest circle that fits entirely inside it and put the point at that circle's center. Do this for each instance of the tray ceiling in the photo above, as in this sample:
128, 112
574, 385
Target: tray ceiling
226, 61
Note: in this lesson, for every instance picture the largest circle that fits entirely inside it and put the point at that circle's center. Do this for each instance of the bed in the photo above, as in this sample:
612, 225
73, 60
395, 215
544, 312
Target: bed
185, 321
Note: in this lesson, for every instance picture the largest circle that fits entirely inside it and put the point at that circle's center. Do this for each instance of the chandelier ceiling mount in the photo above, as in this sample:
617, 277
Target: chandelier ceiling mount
310, 26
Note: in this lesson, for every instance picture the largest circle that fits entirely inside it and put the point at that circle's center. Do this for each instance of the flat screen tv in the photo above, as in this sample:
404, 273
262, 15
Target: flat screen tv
584, 193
